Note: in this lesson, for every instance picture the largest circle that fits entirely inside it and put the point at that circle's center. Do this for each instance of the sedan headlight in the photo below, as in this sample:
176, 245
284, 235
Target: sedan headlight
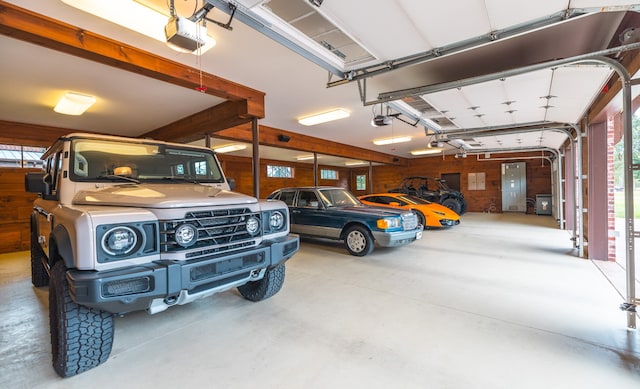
387, 223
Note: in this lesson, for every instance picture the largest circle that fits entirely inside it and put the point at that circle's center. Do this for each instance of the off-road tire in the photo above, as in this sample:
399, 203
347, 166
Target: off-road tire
453, 205
358, 241
262, 289
81, 337
39, 275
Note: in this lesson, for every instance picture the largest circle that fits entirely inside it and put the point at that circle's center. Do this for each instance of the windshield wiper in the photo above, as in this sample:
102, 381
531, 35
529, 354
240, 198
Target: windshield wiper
191, 180
115, 177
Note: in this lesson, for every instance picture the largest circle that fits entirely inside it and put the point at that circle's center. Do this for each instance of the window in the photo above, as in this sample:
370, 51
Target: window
279, 171
328, 174
200, 168
21, 156
98, 159
307, 199
287, 197
361, 182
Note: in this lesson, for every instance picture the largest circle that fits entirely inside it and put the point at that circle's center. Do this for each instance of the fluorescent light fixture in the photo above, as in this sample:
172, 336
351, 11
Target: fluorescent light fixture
324, 117
355, 163
433, 150
389, 141
134, 16
72, 103
229, 148
304, 157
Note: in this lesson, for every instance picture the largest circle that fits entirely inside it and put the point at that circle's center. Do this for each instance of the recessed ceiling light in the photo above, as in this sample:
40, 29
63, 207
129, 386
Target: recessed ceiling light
354, 163
389, 141
304, 157
230, 148
72, 103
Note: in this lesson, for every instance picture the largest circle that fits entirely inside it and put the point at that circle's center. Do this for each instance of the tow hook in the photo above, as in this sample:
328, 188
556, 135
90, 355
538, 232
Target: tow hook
255, 273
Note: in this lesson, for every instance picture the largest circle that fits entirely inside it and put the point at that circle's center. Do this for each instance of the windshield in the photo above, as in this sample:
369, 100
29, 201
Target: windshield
338, 198
108, 160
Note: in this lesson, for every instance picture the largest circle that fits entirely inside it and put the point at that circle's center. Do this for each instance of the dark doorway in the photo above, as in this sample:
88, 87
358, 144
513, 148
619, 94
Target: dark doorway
452, 179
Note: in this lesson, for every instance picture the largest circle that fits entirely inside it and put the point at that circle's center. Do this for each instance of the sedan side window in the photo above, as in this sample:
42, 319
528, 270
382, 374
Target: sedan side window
287, 197
307, 199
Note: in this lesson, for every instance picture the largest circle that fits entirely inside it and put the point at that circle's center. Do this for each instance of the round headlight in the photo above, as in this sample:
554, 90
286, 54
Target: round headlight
253, 226
186, 235
119, 241
276, 221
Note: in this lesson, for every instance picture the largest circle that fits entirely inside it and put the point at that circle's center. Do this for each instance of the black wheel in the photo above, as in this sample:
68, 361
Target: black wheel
453, 205
81, 337
358, 241
39, 275
266, 287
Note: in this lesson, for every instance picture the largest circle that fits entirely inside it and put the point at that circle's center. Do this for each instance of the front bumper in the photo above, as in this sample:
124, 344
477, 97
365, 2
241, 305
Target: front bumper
400, 238
449, 222
135, 288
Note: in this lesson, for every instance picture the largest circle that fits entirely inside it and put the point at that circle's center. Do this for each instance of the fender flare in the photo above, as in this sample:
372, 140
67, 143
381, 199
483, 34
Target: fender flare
61, 242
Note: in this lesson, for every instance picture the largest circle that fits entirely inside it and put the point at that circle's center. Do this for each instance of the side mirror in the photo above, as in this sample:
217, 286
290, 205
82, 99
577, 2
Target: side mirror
232, 183
35, 182
394, 203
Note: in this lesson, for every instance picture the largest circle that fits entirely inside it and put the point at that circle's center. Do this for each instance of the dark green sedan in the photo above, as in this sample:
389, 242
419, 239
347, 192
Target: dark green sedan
335, 213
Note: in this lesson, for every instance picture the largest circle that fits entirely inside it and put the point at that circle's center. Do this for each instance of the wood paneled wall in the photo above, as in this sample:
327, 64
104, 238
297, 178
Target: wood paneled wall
240, 169
15, 209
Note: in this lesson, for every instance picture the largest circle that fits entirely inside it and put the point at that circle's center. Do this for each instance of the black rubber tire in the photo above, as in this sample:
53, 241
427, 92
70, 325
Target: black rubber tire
358, 241
39, 275
81, 337
421, 219
453, 205
262, 289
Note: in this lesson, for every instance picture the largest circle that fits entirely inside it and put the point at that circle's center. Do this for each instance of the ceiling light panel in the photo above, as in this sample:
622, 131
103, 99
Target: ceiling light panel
324, 117
72, 103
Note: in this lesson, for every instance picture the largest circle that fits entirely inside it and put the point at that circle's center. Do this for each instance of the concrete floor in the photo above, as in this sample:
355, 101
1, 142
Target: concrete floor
499, 301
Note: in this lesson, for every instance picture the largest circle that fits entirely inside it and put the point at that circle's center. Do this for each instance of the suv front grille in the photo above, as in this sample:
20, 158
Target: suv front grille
218, 231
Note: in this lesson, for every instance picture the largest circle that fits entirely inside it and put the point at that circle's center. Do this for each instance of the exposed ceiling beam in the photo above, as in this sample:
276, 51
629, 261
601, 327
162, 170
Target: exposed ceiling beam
30, 134
270, 136
211, 120
35, 28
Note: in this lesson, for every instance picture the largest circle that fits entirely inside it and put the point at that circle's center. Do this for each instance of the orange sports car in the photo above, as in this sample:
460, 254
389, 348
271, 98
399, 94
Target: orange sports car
429, 214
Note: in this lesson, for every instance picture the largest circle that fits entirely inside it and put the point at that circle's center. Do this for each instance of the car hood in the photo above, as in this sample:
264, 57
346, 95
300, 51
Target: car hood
434, 207
371, 210
161, 196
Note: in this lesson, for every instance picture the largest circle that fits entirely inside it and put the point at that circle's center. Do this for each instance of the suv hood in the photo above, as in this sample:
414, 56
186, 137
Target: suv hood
161, 196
